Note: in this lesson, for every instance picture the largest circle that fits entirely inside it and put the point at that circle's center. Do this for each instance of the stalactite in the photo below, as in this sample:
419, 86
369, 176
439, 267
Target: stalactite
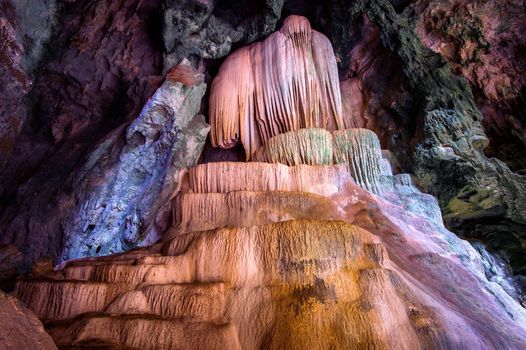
287, 82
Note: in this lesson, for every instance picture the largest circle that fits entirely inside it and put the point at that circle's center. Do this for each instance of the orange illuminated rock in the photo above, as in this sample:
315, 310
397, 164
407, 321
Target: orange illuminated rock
287, 82
293, 257
313, 245
226, 177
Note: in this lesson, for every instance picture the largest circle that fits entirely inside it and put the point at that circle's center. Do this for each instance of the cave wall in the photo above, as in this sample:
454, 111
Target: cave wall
427, 88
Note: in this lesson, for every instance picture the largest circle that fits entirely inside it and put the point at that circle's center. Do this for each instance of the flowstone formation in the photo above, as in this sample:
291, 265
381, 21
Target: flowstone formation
287, 82
265, 255
314, 244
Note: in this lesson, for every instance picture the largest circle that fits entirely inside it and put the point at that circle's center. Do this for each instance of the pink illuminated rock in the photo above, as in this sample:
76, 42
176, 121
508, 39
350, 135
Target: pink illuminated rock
287, 82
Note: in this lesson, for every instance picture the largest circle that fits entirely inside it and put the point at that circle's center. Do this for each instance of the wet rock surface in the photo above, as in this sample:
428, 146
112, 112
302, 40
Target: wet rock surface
245, 266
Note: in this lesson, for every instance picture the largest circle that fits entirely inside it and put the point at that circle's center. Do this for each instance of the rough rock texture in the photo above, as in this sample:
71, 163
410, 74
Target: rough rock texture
199, 29
358, 148
14, 80
282, 281
11, 261
105, 59
498, 270
116, 199
244, 265
100, 69
481, 196
126, 181
312, 146
484, 42
375, 92
287, 82
20, 328
206, 178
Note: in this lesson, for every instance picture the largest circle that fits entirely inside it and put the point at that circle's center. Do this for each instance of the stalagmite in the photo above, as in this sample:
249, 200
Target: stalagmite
287, 82
358, 149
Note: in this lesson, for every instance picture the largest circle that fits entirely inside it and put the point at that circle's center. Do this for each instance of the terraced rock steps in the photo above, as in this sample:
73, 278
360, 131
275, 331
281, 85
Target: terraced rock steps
267, 256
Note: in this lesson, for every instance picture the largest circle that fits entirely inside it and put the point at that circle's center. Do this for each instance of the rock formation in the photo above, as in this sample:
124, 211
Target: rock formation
482, 42
243, 267
11, 261
287, 82
93, 65
119, 197
304, 222
20, 328
122, 189
197, 29
482, 196
312, 146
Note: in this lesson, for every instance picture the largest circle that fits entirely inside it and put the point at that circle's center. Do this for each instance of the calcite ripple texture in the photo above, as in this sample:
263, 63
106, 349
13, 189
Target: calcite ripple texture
287, 82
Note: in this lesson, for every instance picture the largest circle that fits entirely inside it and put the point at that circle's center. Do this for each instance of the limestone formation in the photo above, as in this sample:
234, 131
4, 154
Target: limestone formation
234, 176
93, 66
243, 268
360, 150
287, 82
320, 241
125, 187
